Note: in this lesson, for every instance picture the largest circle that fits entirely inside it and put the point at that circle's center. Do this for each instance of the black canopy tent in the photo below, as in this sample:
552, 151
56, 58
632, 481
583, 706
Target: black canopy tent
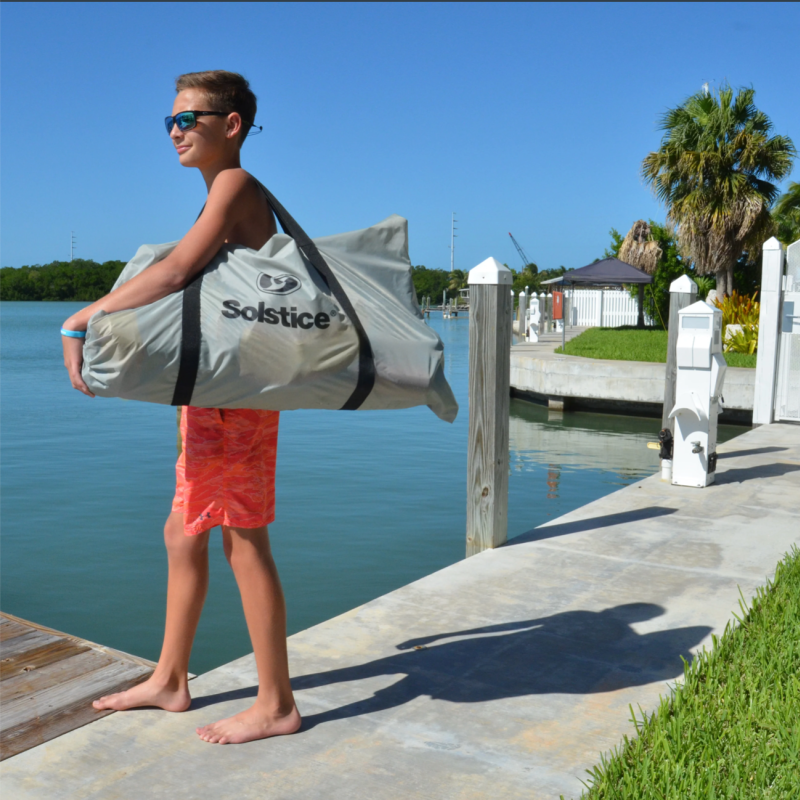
602, 273
609, 271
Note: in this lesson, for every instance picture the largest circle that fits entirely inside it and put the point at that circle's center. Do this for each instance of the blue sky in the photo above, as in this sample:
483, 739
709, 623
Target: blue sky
529, 118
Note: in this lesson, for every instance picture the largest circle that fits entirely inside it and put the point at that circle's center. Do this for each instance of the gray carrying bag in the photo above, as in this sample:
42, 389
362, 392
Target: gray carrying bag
330, 323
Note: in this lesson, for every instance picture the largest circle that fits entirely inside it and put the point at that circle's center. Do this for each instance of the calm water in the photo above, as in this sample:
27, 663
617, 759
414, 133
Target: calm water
366, 502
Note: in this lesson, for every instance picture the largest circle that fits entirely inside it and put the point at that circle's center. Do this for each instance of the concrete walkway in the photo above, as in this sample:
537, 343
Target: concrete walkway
548, 342
528, 658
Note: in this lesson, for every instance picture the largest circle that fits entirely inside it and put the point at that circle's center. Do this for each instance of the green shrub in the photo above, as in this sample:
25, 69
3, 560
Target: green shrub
743, 341
741, 310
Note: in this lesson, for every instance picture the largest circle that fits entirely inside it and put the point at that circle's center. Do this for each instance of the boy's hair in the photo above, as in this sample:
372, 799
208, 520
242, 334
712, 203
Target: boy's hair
226, 91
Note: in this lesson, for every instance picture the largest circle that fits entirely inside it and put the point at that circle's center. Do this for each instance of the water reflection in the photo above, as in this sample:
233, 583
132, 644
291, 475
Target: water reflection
559, 456
581, 441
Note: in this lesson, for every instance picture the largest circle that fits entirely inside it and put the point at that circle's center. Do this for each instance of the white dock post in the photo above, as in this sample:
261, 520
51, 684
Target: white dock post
542, 312
491, 312
523, 305
682, 293
769, 318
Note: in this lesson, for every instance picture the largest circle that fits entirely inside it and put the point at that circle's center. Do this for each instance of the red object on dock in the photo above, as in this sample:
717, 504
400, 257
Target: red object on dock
558, 305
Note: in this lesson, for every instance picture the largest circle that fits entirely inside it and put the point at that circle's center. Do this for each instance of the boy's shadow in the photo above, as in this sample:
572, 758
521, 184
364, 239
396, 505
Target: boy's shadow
574, 652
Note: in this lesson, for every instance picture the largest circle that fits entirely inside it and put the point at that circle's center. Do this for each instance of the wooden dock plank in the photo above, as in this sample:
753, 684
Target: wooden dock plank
26, 642
36, 659
38, 679
48, 680
84, 687
61, 720
10, 629
110, 650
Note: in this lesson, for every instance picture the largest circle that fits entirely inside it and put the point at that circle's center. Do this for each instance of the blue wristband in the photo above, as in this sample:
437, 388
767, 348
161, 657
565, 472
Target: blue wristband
73, 334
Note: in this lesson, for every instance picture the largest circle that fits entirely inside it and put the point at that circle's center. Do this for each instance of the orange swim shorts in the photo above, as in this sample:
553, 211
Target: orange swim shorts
226, 469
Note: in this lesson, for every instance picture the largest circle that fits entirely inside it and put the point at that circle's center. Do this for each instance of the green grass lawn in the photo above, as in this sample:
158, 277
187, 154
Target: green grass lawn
633, 344
732, 730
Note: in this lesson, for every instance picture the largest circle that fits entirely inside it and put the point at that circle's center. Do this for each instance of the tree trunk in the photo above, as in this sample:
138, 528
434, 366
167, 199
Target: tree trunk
730, 280
722, 283
640, 314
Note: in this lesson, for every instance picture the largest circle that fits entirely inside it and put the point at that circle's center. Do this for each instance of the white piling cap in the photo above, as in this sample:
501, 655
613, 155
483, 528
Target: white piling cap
683, 285
772, 244
491, 272
700, 307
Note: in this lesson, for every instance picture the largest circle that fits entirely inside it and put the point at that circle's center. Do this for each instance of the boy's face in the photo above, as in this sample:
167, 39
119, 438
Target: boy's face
210, 139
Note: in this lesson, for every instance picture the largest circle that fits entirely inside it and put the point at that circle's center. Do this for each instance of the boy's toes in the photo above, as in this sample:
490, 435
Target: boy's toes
207, 733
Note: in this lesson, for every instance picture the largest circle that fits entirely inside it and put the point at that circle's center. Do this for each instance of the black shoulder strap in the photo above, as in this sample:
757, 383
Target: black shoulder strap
190, 323
366, 359
190, 339
190, 342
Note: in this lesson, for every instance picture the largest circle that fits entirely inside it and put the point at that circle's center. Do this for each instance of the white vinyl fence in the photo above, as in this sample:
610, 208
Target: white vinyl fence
607, 308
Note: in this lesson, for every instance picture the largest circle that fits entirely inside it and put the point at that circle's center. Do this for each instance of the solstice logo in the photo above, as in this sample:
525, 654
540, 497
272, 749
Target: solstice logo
279, 284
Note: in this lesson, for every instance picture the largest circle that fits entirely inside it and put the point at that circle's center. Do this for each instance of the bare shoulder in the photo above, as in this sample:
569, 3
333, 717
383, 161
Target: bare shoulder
232, 183
238, 197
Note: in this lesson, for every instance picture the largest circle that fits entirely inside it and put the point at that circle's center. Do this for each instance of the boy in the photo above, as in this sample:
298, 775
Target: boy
226, 472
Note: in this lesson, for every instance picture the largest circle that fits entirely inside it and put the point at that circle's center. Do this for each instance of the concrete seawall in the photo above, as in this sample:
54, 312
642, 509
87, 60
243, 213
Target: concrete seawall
606, 385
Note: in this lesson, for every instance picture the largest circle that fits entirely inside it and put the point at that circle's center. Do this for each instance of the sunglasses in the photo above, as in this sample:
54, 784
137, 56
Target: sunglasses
187, 120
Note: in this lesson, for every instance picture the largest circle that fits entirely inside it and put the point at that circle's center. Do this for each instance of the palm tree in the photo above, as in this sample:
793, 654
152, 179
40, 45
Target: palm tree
458, 280
714, 171
787, 215
639, 249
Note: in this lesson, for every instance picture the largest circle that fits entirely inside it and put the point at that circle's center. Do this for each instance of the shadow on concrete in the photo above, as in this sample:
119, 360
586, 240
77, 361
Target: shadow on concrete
606, 521
574, 652
754, 451
742, 474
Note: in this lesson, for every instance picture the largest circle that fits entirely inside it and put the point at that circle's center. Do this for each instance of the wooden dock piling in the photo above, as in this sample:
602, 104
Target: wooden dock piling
491, 310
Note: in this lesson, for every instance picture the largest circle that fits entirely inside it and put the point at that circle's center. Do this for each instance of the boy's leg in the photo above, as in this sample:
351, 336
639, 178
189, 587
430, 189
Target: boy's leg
274, 711
168, 686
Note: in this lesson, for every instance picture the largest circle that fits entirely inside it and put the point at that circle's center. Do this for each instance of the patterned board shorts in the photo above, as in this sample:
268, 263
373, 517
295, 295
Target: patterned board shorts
226, 469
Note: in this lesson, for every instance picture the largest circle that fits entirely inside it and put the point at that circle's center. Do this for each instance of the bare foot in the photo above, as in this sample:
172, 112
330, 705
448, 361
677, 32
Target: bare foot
150, 693
249, 725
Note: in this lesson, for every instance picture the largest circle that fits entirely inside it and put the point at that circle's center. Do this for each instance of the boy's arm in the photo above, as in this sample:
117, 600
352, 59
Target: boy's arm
171, 274
191, 254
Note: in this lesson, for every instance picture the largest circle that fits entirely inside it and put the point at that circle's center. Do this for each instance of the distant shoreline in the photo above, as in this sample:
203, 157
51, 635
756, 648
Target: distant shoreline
79, 280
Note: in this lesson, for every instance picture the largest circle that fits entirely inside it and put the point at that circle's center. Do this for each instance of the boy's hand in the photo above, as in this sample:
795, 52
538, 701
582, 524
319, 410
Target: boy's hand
73, 361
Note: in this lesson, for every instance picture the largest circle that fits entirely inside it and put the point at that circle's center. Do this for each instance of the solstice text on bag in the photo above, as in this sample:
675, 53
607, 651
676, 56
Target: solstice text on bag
288, 317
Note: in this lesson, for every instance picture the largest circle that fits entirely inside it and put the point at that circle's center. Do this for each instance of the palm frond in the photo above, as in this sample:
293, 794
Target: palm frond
639, 249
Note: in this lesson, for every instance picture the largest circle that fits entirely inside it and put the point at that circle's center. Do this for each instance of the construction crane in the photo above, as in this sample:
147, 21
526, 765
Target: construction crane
525, 259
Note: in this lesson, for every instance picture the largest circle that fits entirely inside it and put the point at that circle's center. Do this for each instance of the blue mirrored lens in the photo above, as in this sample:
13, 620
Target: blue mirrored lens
169, 122
186, 120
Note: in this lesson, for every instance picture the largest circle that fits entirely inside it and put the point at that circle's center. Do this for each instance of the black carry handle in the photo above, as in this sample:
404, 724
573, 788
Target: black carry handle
190, 338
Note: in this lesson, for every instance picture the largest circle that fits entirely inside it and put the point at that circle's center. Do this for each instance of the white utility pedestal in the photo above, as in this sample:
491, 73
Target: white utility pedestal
534, 319
698, 394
